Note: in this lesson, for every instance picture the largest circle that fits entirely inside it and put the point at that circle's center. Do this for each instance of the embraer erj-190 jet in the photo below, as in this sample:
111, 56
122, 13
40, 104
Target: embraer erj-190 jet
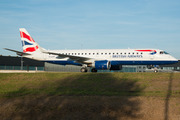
98, 59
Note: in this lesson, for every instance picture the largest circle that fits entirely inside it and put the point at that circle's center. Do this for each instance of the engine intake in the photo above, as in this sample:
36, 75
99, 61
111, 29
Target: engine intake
101, 65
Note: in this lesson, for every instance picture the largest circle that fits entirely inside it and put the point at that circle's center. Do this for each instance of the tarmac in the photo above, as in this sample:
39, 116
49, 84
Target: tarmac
18, 71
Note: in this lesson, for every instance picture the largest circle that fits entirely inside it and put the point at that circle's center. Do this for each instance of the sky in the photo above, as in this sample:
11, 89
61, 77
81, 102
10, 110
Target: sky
92, 24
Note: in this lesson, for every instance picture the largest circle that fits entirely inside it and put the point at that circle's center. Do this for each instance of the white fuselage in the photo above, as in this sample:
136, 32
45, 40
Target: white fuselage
122, 56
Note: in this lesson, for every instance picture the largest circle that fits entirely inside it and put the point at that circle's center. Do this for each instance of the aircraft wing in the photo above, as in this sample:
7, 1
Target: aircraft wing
71, 57
17, 52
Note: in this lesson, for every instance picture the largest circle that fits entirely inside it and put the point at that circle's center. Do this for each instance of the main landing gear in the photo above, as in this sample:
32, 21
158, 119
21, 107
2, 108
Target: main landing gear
83, 69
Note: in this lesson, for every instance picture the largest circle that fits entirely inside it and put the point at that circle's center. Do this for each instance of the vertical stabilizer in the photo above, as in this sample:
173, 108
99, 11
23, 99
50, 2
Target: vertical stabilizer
28, 44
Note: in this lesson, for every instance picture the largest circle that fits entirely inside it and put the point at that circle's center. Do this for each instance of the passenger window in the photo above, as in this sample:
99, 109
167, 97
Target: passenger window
81, 53
105, 53
78, 53
109, 53
97, 53
133, 53
101, 53
89, 53
124, 53
75, 53
85, 53
137, 52
93, 53
129, 53
141, 53
117, 53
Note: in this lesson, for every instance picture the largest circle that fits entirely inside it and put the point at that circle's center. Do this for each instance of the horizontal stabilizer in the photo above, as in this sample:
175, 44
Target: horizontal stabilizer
17, 52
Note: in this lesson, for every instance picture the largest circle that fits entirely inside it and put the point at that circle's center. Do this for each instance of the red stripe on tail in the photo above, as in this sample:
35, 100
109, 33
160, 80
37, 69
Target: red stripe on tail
24, 35
30, 49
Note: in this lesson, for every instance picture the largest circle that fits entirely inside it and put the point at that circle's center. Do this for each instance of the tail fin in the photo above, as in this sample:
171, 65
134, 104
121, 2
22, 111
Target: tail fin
28, 44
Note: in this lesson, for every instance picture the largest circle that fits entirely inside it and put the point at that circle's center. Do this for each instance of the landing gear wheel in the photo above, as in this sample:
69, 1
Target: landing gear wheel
83, 70
93, 70
155, 71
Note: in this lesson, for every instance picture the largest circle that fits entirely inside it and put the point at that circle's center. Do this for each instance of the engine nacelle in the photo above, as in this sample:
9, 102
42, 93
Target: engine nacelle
116, 67
101, 65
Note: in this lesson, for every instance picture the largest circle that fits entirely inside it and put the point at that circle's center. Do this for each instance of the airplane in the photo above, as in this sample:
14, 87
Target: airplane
98, 59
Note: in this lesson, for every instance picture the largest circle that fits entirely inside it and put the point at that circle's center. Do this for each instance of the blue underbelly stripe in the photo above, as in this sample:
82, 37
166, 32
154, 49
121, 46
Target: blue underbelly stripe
117, 62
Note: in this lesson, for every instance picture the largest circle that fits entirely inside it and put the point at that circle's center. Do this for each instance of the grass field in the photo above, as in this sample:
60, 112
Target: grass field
100, 95
105, 84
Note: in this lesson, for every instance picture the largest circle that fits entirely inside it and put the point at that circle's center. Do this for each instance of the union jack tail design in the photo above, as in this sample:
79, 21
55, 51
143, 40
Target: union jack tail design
28, 44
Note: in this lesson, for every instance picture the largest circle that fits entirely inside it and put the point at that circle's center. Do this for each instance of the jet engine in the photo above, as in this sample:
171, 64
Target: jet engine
101, 65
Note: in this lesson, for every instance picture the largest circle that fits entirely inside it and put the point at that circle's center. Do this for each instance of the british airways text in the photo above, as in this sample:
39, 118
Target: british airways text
127, 56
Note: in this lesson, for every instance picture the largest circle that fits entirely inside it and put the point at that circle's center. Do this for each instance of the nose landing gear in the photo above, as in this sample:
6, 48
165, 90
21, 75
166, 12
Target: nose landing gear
155, 71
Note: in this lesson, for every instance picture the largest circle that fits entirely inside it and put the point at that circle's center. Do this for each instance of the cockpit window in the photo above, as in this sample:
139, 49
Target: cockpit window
163, 52
166, 52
